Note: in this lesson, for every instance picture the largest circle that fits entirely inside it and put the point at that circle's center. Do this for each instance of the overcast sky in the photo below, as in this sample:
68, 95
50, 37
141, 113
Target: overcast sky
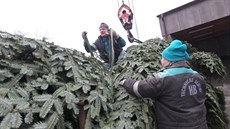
62, 21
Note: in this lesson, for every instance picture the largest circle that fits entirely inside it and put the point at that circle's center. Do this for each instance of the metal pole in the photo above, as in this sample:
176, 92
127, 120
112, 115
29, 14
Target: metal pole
82, 113
111, 48
135, 20
118, 3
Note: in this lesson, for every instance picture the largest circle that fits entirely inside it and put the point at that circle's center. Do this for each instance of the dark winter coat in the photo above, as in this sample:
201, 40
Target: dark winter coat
179, 94
102, 45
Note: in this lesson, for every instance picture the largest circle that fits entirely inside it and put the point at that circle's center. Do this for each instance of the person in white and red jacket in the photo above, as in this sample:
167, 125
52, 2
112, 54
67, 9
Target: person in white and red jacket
178, 90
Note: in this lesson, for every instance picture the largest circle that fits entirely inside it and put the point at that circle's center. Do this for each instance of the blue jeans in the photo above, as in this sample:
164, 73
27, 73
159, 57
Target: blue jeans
122, 54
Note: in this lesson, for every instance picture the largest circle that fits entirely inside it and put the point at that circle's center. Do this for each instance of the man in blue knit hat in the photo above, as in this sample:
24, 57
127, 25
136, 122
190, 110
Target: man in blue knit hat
102, 45
179, 91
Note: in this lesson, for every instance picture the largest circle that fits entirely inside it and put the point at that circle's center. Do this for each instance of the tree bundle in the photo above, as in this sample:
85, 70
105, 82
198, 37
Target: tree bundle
45, 86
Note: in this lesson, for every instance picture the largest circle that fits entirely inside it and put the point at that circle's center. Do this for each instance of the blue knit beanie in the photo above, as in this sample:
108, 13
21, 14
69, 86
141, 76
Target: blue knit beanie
104, 25
176, 51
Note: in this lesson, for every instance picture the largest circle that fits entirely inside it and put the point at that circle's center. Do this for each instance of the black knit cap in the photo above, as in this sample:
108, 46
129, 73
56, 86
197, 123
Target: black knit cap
103, 25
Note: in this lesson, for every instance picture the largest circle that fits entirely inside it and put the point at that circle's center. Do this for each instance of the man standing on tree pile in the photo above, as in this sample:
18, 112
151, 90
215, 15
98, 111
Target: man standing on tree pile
102, 45
179, 91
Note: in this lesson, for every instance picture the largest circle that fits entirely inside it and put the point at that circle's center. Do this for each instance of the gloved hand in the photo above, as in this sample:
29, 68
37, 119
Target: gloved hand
122, 82
83, 34
115, 35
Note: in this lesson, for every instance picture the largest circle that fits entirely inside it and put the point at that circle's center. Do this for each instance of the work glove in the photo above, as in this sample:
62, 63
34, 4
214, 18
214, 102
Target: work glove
122, 82
115, 35
83, 34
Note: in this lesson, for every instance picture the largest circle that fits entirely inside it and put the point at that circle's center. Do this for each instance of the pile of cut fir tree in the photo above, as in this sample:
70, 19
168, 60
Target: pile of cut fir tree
43, 86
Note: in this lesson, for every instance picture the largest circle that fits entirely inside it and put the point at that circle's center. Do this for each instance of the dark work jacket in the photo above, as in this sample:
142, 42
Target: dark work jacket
103, 49
179, 94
